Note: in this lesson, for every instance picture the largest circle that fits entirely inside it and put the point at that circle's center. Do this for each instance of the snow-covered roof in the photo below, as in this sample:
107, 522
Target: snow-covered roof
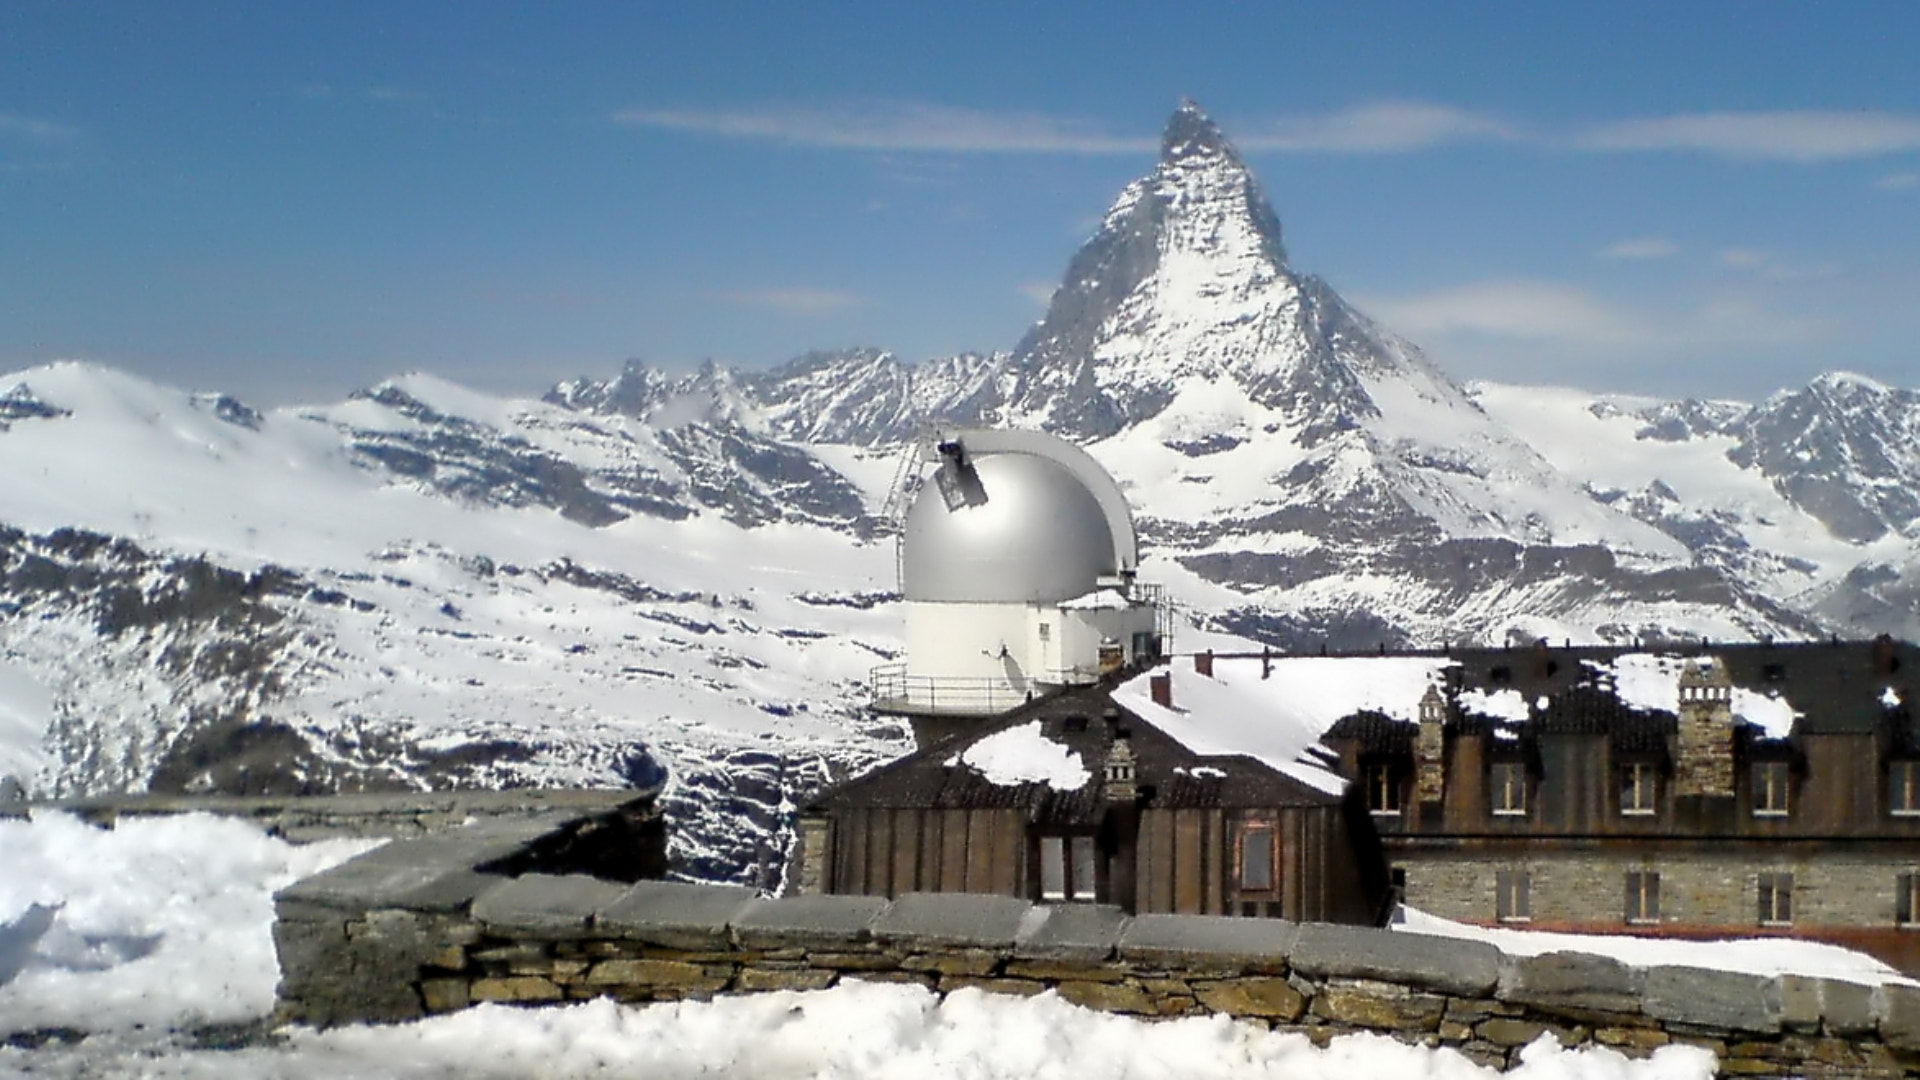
1105, 599
1022, 755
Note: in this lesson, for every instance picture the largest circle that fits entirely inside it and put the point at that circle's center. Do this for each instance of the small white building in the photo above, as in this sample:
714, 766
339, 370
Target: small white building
1018, 568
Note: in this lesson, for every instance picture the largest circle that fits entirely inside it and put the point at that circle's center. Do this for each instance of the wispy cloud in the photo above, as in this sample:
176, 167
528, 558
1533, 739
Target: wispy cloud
1527, 310
1900, 181
26, 127
1640, 248
1772, 265
895, 126
796, 301
1792, 135
1545, 313
1393, 127
1040, 292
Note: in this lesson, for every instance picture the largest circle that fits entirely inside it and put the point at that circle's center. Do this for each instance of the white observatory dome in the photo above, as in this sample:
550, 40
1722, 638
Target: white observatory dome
1040, 537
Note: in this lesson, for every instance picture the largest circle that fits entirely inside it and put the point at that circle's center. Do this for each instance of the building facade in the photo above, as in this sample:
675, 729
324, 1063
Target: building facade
1701, 791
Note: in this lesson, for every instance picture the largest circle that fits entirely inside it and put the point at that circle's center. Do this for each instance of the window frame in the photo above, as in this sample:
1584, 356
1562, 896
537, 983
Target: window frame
1385, 786
1774, 781
1906, 900
1513, 896
1060, 880
1257, 835
1903, 788
1773, 892
1643, 898
1506, 784
1641, 780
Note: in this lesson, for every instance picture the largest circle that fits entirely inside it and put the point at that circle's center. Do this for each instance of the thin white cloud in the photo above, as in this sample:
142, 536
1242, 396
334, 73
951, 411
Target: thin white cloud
1744, 258
27, 127
1901, 181
1392, 127
895, 126
1040, 292
796, 301
1640, 248
1772, 265
1788, 135
1526, 310
1554, 314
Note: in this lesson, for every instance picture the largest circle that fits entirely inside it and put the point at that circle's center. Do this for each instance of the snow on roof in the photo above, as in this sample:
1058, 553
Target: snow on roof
1276, 719
1021, 755
1107, 599
1890, 698
1498, 704
1651, 681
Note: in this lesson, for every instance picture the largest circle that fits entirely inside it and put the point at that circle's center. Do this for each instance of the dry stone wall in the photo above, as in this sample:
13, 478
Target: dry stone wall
424, 926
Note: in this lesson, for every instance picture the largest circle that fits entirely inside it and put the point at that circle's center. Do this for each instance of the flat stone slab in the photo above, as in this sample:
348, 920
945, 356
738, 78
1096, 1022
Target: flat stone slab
972, 920
362, 884
1708, 998
1200, 939
546, 905
674, 914
815, 919
1571, 980
1086, 932
1449, 965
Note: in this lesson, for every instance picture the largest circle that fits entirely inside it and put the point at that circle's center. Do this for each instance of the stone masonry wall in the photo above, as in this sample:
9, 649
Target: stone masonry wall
1704, 888
422, 927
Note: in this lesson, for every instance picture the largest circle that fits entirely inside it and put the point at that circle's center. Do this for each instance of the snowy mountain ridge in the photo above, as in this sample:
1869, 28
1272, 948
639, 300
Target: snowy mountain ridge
422, 584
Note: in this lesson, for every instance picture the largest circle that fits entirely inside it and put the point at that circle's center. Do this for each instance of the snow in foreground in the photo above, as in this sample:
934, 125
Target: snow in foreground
162, 926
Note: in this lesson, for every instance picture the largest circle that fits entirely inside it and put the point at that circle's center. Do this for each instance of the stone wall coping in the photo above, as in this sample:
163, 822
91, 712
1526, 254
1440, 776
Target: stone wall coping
813, 919
1216, 939
1571, 980
1078, 932
1709, 998
1450, 965
545, 905
363, 883
674, 914
972, 920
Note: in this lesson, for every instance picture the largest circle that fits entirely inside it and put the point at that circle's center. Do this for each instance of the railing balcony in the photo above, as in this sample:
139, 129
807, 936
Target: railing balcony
896, 691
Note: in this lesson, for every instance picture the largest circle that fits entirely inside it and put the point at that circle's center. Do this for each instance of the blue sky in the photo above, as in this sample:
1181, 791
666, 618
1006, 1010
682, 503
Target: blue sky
289, 201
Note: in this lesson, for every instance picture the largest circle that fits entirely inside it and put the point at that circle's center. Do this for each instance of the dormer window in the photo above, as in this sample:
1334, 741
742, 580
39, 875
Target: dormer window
1509, 788
1774, 672
1500, 675
1639, 789
1383, 783
1903, 788
1770, 789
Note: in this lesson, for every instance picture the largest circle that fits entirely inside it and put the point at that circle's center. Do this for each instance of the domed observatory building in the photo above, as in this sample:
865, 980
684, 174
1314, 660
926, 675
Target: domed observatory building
1017, 565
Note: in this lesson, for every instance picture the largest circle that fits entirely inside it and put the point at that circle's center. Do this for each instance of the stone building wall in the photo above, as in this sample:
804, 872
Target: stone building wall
430, 926
1697, 889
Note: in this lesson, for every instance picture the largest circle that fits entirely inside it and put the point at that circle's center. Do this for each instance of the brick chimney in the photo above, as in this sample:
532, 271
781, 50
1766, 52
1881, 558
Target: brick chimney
1203, 663
1429, 748
1161, 686
1706, 731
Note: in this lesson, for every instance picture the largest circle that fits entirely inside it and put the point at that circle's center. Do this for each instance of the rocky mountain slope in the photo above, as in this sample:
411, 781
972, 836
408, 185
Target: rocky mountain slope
425, 585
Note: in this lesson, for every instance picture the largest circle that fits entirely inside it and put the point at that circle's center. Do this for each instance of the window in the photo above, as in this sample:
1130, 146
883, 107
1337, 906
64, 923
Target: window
1639, 789
1383, 788
1067, 868
1510, 788
1776, 899
1643, 897
1770, 789
1256, 859
1903, 788
1906, 900
1513, 899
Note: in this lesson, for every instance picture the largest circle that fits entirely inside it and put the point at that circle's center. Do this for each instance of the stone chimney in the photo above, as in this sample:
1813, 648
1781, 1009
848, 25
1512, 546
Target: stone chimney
1706, 731
1118, 783
1161, 686
1429, 748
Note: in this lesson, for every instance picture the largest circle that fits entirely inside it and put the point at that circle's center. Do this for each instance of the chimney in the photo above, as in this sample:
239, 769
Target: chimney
1119, 784
1162, 687
1885, 660
1429, 748
1203, 663
1266, 661
1706, 731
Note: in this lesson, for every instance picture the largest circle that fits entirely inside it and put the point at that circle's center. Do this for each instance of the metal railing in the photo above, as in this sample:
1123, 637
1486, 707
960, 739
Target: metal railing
896, 691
